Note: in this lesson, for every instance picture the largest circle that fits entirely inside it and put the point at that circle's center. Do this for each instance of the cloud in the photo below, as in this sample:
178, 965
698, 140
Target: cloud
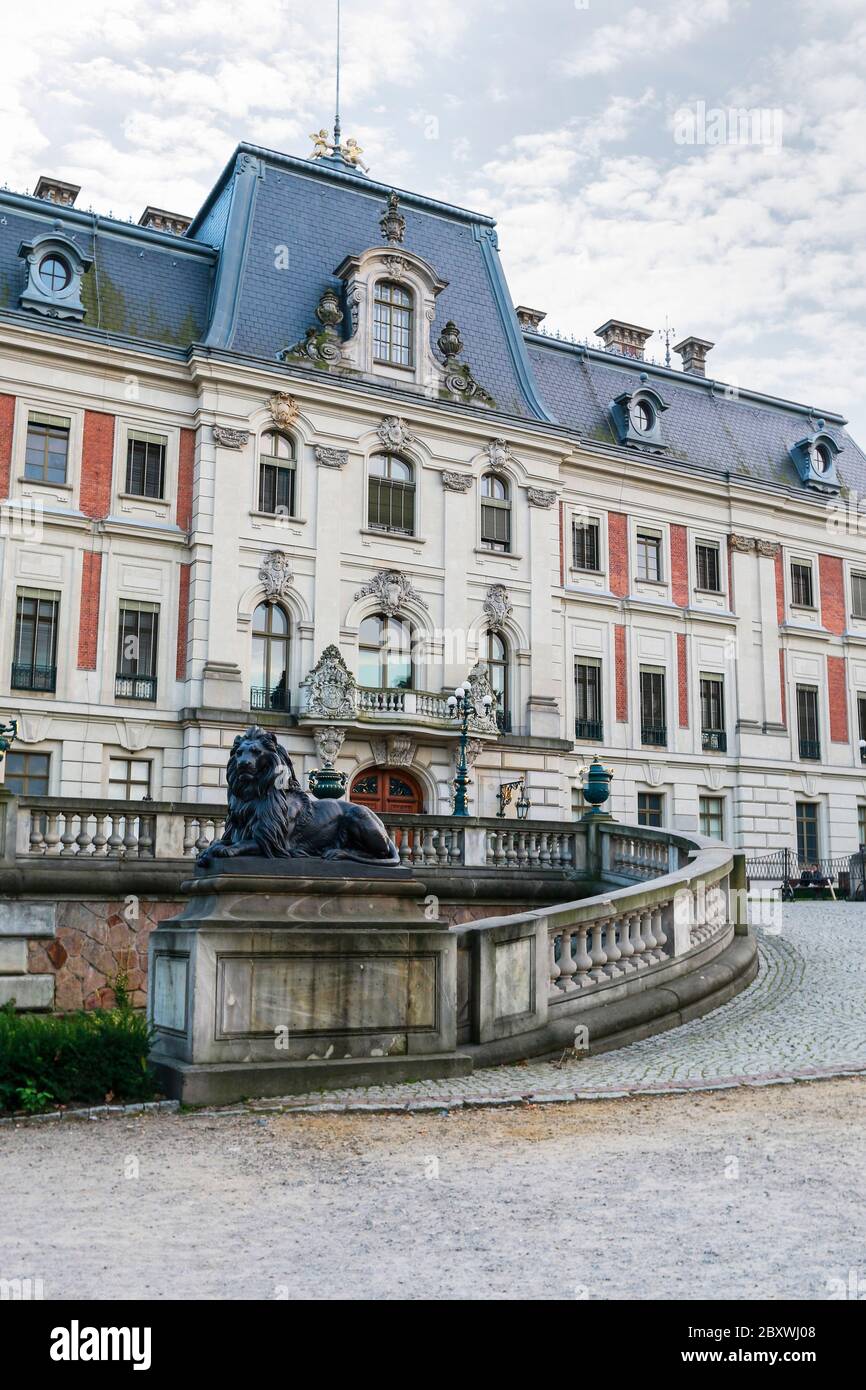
644, 34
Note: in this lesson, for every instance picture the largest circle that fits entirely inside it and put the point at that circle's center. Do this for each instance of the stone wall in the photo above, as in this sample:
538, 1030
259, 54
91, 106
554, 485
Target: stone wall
93, 943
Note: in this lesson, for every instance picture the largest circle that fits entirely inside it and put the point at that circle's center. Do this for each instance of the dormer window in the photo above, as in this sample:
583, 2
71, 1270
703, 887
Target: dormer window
54, 273
55, 267
822, 459
392, 325
815, 460
643, 416
637, 413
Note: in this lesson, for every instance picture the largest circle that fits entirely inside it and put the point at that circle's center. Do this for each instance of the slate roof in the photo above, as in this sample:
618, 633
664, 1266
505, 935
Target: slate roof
706, 426
220, 285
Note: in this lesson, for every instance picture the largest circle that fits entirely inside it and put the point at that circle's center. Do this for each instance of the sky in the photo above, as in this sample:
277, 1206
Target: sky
695, 163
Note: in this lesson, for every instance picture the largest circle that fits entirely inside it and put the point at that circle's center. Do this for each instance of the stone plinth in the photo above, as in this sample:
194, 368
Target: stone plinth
280, 975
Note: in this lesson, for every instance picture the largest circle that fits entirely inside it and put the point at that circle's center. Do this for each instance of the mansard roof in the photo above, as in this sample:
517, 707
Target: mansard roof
245, 279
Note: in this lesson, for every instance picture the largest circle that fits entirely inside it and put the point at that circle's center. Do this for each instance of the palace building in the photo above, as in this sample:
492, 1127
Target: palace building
299, 461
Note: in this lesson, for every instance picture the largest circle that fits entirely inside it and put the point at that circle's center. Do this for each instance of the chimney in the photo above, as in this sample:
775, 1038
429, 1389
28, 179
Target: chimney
158, 220
530, 320
625, 338
56, 191
694, 354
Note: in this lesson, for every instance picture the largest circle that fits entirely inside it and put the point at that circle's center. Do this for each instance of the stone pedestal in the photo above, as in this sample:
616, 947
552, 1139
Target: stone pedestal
285, 976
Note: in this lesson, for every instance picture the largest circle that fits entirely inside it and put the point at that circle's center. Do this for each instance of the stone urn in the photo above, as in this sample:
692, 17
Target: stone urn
326, 783
596, 789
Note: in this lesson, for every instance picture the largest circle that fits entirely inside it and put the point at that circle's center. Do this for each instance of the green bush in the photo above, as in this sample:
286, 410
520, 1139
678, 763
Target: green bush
48, 1060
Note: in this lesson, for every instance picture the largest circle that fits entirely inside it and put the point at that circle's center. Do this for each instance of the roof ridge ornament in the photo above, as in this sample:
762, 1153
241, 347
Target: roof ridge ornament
392, 221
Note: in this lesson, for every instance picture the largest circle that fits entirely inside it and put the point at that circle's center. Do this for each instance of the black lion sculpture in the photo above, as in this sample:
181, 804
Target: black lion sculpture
271, 816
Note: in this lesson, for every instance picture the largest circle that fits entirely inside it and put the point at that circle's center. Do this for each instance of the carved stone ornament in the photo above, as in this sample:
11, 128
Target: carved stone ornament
133, 736
331, 458
329, 741
394, 433
276, 574
393, 589
395, 266
328, 310
498, 453
456, 482
332, 691
33, 728
744, 544
459, 381
771, 548
284, 409
229, 438
540, 497
479, 686
474, 749
497, 607
450, 343
394, 751
392, 221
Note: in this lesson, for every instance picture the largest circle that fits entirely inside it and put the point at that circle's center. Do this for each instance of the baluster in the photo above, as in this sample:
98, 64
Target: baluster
441, 848
637, 941
510, 851
84, 839
100, 838
130, 839
148, 835
597, 954
499, 851
554, 965
202, 838
405, 848
68, 836
545, 858
37, 839
648, 937
115, 839
583, 959
189, 836
614, 954
567, 964
659, 932
626, 949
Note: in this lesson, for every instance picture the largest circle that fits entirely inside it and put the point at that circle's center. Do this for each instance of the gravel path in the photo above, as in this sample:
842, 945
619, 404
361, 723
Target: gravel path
735, 1195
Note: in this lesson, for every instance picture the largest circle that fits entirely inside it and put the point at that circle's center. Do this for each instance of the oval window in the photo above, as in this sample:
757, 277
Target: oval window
54, 273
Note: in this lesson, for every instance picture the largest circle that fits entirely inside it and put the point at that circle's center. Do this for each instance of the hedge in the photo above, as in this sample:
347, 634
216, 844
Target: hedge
49, 1060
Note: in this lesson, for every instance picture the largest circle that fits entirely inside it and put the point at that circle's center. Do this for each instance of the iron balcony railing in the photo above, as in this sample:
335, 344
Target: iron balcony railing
656, 735
27, 677
262, 697
134, 687
589, 728
810, 749
714, 740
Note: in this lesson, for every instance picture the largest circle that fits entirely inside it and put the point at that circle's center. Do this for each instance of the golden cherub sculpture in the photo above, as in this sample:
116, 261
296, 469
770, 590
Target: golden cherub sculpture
322, 147
351, 152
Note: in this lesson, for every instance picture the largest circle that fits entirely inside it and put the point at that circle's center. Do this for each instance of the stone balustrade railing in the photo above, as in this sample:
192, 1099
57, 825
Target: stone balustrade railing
427, 703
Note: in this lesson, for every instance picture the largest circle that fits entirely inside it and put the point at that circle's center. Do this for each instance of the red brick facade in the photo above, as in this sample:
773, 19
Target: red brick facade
621, 674
186, 465
780, 587
683, 679
96, 463
7, 417
183, 620
617, 546
832, 578
88, 621
680, 566
837, 689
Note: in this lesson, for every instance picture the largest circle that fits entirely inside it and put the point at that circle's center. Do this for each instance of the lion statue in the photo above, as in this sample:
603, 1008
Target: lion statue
271, 816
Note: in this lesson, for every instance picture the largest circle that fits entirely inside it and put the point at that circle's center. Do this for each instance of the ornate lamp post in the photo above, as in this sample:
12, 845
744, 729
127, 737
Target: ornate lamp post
460, 706
506, 790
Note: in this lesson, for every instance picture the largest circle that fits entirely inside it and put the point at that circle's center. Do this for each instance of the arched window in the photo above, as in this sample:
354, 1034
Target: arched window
495, 657
391, 495
270, 683
392, 324
385, 653
276, 474
495, 513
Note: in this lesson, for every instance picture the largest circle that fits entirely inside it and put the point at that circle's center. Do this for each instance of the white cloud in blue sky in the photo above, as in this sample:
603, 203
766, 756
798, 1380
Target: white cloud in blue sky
558, 117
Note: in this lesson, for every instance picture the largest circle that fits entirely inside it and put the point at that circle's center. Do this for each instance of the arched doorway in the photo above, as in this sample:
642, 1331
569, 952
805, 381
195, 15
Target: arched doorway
389, 789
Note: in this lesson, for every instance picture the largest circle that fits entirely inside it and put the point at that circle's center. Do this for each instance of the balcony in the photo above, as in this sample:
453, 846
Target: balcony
134, 687
655, 735
714, 740
592, 729
810, 750
26, 677
263, 698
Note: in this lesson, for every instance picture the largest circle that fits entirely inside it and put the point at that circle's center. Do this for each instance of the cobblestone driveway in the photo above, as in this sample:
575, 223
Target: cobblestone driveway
802, 1017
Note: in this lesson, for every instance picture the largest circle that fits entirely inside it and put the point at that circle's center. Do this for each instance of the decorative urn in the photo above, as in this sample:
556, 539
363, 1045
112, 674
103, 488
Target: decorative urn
326, 783
596, 788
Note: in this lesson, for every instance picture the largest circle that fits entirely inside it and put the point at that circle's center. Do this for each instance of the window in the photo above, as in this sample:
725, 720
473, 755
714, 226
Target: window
385, 653
277, 475
34, 662
650, 808
861, 720
713, 734
27, 773
128, 779
495, 513
587, 700
145, 464
801, 585
653, 717
137, 647
47, 451
861, 821
586, 550
807, 832
392, 325
391, 495
642, 416
54, 273
712, 812
649, 556
807, 722
495, 657
708, 567
858, 595
270, 658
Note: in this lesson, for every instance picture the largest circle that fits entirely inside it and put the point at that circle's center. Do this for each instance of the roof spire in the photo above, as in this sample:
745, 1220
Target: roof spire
667, 333
338, 136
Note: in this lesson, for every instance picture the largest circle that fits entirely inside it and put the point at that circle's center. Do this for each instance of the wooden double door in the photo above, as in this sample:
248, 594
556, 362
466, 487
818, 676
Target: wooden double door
389, 789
